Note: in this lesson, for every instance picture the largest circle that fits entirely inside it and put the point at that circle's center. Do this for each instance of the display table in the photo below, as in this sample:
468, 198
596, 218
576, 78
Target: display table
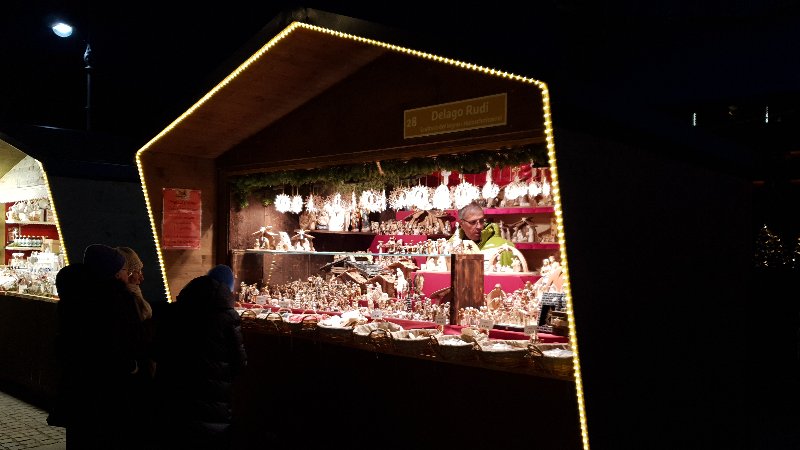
27, 343
495, 333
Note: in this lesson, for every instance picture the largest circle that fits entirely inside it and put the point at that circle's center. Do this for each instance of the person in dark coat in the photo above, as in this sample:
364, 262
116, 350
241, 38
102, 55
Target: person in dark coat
100, 351
199, 351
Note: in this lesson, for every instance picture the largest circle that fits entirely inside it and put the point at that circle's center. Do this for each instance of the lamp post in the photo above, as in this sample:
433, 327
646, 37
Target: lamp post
87, 60
64, 30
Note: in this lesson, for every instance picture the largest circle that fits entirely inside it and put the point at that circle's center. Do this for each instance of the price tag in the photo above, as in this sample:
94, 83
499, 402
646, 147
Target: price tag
377, 313
530, 330
486, 324
545, 329
261, 300
441, 319
554, 299
285, 304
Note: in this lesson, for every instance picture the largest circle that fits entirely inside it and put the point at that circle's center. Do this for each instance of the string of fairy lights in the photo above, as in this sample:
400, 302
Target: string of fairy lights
771, 253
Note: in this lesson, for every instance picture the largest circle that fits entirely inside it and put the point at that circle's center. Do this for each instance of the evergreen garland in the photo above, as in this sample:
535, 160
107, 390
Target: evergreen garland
372, 175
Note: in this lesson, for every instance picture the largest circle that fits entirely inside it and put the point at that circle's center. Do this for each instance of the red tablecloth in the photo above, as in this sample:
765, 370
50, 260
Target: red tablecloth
493, 334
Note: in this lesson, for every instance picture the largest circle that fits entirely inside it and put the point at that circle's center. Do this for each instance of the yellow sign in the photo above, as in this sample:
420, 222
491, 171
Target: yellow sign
481, 112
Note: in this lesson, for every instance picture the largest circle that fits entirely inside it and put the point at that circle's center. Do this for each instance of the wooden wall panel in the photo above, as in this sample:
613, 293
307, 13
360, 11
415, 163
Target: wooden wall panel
171, 171
362, 117
246, 221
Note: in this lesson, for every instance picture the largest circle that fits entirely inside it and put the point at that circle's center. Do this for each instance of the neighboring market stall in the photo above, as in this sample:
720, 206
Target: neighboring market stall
32, 255
44, 170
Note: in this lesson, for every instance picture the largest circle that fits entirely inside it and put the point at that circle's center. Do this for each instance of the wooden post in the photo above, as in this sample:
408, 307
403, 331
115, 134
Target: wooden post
247, 267
466, 281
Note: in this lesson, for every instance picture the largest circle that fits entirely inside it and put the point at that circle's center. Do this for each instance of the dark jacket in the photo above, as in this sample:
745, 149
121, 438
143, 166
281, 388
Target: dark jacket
199, 351
99, 346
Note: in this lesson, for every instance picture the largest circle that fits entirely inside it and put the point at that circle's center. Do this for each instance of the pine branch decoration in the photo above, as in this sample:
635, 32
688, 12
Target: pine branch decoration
390, 173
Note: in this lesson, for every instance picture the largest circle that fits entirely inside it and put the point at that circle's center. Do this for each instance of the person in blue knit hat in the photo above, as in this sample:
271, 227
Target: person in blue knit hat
223, 274
199, 353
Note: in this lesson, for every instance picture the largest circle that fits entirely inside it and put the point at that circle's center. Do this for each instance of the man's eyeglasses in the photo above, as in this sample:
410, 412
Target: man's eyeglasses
474, 222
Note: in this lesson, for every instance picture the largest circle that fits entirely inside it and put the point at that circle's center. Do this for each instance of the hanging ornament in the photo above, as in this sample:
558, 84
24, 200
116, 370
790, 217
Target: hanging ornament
420, 197
311, 203
516, 188
465, 193
336, 208
490, 190
534, 186
441, 196
546, 188
398, 199
283, 203
372, 201
296, 205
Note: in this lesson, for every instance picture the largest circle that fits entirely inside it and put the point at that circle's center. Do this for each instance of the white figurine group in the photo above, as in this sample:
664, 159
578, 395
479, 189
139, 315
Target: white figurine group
400, 284
282, 242
552, 279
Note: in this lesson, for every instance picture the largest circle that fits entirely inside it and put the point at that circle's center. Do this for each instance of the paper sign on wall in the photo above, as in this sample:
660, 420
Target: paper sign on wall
180, 226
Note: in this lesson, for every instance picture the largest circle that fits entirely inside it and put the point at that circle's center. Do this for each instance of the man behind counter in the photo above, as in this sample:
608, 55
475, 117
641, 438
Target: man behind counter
473, 227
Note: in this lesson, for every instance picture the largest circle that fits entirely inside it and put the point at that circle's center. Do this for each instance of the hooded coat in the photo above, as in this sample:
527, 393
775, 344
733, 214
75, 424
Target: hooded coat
199, 351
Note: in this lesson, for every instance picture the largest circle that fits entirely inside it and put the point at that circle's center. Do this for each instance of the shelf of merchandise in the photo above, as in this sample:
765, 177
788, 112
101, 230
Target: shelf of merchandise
492, 211
29, 222
28, 227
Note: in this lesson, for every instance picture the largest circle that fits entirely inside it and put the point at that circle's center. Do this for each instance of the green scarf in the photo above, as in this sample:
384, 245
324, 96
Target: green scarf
491, 237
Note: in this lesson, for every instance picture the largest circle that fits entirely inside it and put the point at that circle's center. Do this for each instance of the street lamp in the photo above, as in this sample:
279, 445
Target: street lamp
64, 30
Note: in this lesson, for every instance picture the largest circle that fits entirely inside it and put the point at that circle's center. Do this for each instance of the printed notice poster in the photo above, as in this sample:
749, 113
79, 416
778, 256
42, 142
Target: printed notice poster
180, 226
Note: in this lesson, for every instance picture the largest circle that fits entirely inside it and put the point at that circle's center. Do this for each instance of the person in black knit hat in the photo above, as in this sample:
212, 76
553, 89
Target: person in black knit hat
100, 350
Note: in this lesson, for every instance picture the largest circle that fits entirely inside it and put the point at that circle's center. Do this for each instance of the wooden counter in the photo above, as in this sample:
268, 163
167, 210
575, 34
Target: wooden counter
27, 338
303, 393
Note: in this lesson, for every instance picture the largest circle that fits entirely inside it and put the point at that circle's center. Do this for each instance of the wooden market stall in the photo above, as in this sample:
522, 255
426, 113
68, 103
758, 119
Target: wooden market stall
317, 91
32, 256
655, 219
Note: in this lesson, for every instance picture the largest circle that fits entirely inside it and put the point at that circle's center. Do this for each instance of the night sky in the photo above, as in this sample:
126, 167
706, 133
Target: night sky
150, 61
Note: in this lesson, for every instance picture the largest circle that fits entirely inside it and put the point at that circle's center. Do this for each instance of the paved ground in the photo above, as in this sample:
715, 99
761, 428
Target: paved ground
24, 426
